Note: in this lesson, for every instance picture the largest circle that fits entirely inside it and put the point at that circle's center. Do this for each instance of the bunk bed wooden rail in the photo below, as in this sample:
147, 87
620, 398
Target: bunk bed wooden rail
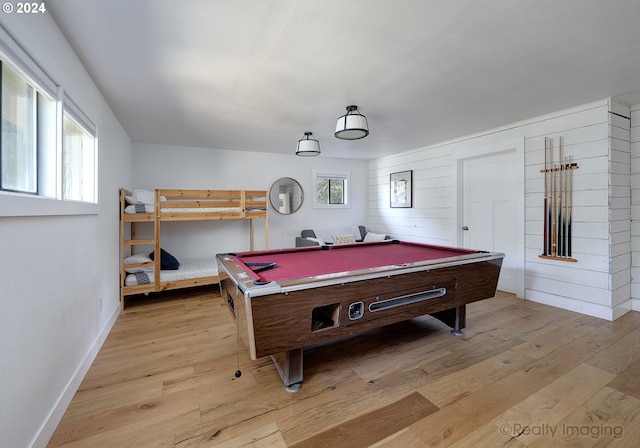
188, 205
180, 205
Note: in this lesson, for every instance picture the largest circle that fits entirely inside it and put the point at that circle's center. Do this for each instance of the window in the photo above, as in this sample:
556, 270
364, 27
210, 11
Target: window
78, 162
48, 147
331, 189
19, 149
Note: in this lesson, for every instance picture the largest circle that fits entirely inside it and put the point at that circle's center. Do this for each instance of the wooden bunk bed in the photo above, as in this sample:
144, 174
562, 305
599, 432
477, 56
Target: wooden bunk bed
138, 273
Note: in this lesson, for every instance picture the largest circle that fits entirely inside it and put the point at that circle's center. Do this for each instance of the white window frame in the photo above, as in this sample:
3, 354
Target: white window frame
25, 204
332, 174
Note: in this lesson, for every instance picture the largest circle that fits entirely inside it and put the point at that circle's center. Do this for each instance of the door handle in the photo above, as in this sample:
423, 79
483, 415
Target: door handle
465, 228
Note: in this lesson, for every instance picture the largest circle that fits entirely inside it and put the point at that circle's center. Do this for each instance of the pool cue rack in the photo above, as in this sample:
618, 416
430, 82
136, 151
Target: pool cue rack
558, 203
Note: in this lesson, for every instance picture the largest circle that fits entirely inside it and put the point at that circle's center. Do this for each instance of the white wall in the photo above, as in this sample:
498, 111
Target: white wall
54, 268
635, 208
595, 284
162, 166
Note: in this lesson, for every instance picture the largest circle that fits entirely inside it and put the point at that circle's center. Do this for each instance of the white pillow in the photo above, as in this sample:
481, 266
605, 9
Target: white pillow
139, 208
131, 200
317, 240
138, 258
139, 278
371, 237
144, 196
343, 239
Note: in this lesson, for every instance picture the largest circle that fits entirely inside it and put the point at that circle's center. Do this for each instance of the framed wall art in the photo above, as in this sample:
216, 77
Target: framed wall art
401, 187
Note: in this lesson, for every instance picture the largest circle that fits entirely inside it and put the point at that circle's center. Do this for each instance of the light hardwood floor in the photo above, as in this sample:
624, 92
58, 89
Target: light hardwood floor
523, 375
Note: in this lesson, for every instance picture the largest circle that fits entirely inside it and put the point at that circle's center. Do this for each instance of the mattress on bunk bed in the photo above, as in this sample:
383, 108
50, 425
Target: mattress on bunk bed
189, 268
143, 201
149, 208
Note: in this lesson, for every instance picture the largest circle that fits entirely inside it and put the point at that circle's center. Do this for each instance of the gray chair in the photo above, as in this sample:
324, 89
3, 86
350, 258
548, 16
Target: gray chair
363, 232
302, 241
308, 234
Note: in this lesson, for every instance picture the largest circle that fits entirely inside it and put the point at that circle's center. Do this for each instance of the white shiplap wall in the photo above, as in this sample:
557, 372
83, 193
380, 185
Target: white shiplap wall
620, 207
430, 220
600, 279
635, 206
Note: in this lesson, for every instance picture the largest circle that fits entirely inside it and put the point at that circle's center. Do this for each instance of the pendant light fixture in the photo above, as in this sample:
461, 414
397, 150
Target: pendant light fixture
308, 146
353, 125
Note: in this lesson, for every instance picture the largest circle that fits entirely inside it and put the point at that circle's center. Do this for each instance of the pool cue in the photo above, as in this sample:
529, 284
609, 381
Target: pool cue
549, 199
544, 210
560, 201
564, 211
554, 231
551, 196
559, 244
569, 208
567, 169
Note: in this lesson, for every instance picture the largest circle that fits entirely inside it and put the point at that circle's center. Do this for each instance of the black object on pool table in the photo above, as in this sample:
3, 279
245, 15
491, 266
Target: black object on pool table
259, 267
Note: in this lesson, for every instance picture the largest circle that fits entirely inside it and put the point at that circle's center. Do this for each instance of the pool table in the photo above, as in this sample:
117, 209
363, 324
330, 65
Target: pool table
283, 300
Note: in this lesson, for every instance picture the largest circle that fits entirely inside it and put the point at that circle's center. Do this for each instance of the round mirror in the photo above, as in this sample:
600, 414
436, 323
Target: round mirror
286, 195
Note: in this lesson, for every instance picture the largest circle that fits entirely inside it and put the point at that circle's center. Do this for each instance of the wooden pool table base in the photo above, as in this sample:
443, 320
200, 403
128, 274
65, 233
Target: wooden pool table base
279, 319
290, 363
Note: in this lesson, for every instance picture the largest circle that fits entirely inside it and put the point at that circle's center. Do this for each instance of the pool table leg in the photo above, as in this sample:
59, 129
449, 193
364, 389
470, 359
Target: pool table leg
456, 326
289, 365
454, 317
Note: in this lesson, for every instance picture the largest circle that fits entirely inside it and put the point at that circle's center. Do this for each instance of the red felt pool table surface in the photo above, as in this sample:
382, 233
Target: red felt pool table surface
318, 261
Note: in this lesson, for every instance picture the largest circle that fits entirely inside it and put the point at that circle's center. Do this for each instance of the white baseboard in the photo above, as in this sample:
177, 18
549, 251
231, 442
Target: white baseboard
566, 303
49, 426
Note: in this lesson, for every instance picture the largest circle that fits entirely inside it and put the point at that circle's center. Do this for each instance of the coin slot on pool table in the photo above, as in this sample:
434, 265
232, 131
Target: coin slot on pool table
356, 310
326, 316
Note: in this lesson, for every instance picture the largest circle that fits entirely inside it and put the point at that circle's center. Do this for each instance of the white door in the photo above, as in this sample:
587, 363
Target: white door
489, 210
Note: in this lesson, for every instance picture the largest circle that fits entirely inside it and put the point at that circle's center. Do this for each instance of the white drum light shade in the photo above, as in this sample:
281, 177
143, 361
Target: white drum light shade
308, 146
353, 125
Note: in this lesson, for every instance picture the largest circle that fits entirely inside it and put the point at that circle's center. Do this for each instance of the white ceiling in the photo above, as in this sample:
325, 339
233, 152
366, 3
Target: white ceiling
256, 74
